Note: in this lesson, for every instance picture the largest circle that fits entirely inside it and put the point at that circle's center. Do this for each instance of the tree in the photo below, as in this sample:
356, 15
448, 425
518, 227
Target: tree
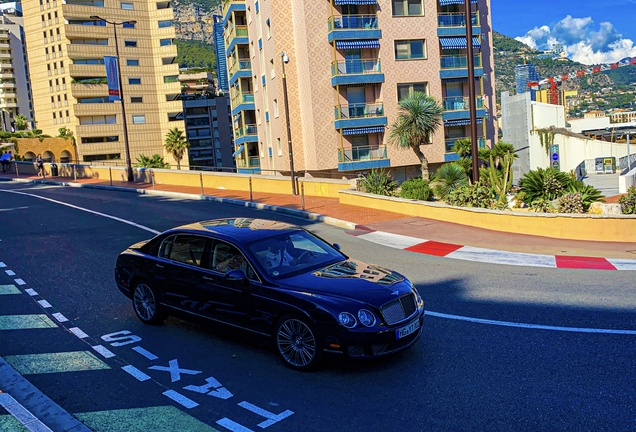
176, 144
156, 161
21, 122
419, 117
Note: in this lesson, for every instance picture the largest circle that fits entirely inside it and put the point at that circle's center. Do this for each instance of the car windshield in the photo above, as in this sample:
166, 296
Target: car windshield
293, 252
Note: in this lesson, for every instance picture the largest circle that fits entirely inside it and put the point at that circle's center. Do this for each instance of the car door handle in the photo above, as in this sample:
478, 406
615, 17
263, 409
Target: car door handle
159, 266
207, 278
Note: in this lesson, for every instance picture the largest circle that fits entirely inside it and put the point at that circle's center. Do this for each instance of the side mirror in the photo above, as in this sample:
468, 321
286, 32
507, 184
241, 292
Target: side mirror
235, 275
336, 246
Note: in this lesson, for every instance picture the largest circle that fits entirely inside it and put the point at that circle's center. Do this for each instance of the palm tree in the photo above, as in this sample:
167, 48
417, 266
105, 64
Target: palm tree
419, 117
176, 144
448, 178
155, 161
21, 122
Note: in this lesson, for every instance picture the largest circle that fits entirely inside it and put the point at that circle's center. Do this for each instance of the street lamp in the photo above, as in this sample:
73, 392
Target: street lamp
284, 60
471, 89
129, 171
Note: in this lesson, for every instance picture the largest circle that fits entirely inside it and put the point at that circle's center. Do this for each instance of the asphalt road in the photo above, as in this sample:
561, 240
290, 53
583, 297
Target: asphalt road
461, 375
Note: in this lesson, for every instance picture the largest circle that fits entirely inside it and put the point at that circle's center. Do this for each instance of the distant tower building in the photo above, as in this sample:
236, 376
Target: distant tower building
523, 75
219, 50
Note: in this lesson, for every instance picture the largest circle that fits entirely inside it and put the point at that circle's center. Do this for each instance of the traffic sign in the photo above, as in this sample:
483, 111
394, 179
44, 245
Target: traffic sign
555, 157
555, 164
555, 148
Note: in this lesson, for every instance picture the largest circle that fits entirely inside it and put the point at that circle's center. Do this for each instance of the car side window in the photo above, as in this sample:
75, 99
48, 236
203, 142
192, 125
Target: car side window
184, 248
166, 247
225, 257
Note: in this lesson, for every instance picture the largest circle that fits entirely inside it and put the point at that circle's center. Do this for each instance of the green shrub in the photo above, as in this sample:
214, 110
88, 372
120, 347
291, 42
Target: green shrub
541, 205
477, 195
571, 203
379, 182
589, 193
548, 184
417, 188
448, 178
628, 202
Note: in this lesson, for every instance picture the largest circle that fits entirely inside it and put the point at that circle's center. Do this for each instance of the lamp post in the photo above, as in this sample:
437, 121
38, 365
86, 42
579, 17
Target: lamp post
129, 171
471, 89
285, 59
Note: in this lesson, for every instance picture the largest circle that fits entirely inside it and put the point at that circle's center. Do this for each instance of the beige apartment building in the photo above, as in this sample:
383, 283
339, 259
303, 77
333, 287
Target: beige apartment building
67, 41
349, 62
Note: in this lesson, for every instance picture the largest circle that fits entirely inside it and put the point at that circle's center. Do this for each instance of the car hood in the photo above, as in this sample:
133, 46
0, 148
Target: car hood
352, 279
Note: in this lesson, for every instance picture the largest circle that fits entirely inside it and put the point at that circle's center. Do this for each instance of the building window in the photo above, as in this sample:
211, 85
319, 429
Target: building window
408, 89
272, 69
128, 24
130, 43
139, 119
279, 147
132, 62
407, 7
269, 29
165, 42
276, 113
410, 49
136, 99
165, 23
97, 120
170, 78
134, 81
127, 6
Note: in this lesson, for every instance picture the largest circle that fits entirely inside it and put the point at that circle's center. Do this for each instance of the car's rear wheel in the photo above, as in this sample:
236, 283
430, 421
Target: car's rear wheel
146, 304
297, 343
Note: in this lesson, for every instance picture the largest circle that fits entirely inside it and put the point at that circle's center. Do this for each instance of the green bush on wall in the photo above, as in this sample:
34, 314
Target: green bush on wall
416, 188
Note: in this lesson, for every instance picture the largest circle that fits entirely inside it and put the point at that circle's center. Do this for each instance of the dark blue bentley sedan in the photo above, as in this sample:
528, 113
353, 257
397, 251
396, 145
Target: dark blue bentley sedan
275, 279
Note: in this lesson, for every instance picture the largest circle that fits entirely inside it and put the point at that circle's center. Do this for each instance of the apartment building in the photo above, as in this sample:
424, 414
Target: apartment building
67, 41
15, 87
347, 64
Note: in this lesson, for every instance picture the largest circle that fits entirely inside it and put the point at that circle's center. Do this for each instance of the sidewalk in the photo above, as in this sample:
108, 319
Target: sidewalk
366, 220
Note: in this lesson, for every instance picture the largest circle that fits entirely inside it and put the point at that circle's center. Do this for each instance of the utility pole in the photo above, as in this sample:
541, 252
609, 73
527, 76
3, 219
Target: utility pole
284, 60
471, 89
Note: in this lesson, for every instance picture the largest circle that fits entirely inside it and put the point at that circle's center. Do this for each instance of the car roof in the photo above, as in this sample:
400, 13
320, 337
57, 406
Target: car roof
242, 229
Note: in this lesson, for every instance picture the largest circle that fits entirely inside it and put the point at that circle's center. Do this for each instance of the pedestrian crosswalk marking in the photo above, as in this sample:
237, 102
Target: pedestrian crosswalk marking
74, 361
9, 289
156, 419
23, 322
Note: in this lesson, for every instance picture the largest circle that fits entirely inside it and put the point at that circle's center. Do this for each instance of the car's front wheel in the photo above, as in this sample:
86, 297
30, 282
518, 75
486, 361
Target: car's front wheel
297, 344
146, 304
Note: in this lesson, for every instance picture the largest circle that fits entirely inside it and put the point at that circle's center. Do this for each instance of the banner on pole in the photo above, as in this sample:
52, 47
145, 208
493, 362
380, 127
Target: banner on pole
112, 78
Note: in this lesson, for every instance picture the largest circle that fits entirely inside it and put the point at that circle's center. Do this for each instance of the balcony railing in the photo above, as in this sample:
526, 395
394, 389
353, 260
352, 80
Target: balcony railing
245, 97
458, 62
355, 67
251, 162
241, 64
361, 153
461, 103
247, 130
450, 142
228, 3
235, 32
346, 22
359, 110
455, 20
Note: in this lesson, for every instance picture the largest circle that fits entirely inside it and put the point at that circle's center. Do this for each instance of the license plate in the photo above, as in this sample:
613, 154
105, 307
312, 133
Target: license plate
407, 330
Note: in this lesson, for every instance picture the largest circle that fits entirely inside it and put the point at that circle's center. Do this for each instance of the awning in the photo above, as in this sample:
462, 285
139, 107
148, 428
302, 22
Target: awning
352, 44
238, 152
454, 80
363, 130
457, 42
355, 2
450, 2
463, 122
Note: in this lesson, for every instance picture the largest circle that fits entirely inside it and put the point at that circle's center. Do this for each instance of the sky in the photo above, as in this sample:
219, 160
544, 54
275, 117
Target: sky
591, 31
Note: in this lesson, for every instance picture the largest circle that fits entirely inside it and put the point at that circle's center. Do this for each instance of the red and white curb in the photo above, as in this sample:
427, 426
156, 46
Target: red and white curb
491, 256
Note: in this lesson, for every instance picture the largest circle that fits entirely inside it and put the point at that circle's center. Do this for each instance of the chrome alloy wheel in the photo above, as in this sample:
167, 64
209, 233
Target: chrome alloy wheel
144, 302
296, 343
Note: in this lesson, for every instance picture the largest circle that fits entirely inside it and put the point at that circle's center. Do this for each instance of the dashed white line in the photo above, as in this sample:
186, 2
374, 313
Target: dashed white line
10, 272
136, 373
180, 399
2, 265
44, 304
232, 425
59, 317
20, 282
78, 332
103, 351
143, 352
272, 418
31, 292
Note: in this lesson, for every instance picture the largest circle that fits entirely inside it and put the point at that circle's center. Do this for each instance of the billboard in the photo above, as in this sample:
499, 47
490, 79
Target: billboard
112, 77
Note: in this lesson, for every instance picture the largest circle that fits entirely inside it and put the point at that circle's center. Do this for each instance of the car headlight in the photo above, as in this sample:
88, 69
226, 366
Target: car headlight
347, 319
366, 318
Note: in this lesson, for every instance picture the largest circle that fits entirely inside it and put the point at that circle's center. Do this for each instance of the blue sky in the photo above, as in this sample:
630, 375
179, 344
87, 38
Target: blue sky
599, 31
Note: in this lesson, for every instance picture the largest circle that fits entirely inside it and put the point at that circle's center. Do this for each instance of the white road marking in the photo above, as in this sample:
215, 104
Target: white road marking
2, 265
212, 388
143, 352
391, 240
470, 253
103, 351
232, 425
44, 304
180, 399
272, 418
20, 282
175, 370
59, 317
31, 292
136, 373
622, 264
77, 332
85, 210
531, 326
11, 209
10, 272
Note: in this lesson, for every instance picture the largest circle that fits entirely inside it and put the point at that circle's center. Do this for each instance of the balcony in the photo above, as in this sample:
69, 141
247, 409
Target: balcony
458, 107
235, 35
240, 69
7, 75
454, 24
362, 157
456, 66
6, 56
353, 27
359, 115
5, 45
450, 155
245, 134
7, 85
242, 102
347, 72
88, 90
232, 5
11, 104
250, 166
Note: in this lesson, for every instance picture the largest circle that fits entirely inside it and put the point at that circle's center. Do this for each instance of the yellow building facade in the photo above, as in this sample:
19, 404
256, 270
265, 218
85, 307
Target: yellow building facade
67, 41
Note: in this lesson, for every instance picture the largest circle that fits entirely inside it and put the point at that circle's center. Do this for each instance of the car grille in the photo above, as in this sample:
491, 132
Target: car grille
398, 310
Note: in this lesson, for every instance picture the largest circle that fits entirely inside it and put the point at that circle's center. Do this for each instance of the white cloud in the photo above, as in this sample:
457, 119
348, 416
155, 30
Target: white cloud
581, 42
